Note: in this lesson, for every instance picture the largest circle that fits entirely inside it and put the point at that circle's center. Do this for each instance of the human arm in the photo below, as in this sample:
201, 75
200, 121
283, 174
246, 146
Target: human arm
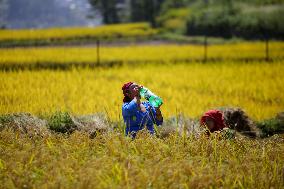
129, 109
159, 116
156, 115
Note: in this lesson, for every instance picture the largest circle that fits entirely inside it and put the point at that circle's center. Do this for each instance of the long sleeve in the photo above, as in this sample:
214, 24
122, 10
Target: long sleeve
157, 122
129, 109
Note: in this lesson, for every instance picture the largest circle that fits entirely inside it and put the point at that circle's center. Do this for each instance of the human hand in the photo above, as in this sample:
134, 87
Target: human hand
158, 108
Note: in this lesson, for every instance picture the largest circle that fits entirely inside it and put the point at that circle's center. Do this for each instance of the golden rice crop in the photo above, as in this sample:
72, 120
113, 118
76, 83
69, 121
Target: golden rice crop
186, 88
143, 53
114, 161
109, 31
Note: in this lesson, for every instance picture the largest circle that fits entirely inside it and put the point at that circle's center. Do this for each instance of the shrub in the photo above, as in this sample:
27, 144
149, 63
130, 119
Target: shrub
61, 122
215, 21
258, 25
272, 126
232, 21
174, 20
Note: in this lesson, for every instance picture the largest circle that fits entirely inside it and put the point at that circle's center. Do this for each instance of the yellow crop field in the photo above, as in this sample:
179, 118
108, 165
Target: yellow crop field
143, 53
110, 31
35, 154
114, 161
190, 89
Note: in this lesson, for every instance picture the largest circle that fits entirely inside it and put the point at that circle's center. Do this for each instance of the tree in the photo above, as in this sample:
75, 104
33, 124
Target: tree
108, 9
145, 10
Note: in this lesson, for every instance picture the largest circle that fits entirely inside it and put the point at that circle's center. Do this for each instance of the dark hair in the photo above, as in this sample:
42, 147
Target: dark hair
125, 89
126, 98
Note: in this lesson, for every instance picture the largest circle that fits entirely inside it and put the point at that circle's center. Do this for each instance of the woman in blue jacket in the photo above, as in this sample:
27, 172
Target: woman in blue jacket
136, 114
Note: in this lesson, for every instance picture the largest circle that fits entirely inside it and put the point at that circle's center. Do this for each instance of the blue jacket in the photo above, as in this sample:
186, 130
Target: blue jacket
136, 120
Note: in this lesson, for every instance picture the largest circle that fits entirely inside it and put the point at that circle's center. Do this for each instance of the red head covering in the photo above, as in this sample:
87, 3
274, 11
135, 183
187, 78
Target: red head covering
217, 117
125, 89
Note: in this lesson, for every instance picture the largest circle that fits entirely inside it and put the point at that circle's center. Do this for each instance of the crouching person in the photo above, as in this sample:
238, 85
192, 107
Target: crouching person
213, 121
138, 115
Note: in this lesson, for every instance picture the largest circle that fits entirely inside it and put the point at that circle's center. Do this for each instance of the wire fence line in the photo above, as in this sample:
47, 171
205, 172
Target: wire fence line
101, 54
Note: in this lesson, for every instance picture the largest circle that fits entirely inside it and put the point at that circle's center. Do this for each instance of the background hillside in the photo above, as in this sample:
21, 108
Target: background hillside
256, 19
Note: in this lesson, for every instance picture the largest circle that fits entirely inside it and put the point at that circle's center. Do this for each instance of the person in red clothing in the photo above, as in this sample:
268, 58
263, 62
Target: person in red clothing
213, 120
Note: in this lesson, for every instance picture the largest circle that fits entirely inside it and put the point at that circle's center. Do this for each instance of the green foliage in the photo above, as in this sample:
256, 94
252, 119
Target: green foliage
215, 21
176, 4
271, 126
174, 20
146, 10
259, 24
262, 2
61, 122
108, 9
5, 119
224, 18
230, 20
228, 133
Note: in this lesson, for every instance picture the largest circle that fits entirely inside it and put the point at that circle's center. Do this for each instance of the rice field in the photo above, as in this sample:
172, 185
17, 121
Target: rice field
109, 31
186, 88
12, 58
114, 161
234, 75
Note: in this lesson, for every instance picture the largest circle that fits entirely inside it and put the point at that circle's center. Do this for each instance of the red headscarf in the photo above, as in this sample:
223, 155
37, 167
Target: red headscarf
125, 89
217, 117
